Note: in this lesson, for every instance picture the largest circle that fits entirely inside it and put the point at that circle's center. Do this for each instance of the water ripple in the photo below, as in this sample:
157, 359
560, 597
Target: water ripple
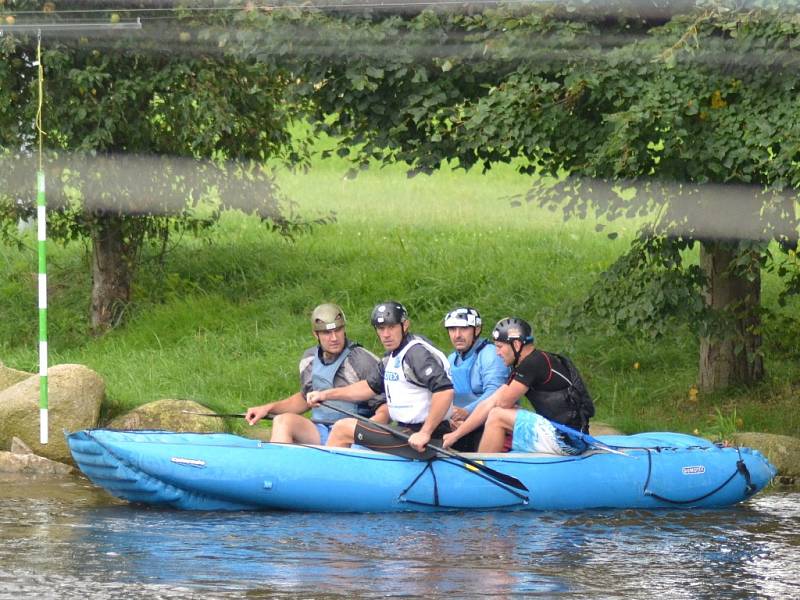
67, 540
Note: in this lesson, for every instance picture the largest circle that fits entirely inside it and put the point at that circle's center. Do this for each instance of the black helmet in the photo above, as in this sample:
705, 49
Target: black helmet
512, 328
388, 313
463, 316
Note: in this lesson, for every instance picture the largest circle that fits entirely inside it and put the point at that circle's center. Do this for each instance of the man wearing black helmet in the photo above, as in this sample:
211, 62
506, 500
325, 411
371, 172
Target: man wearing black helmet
550, 382
334, 362
415, 377
476, 369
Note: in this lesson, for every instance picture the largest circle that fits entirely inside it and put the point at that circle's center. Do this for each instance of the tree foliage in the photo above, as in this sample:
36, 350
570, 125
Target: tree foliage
682, 111
144, 133
686, 114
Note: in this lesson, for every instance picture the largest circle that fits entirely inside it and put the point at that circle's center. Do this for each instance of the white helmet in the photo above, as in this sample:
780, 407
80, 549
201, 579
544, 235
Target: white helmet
463, 316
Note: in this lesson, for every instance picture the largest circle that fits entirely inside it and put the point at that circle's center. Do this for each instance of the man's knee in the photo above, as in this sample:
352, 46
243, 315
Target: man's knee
282, 428
342, 432
494, 416
291, 428
501, 417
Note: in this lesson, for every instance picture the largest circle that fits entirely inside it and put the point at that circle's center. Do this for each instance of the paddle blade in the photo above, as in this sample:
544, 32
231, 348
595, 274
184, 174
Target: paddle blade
502, 477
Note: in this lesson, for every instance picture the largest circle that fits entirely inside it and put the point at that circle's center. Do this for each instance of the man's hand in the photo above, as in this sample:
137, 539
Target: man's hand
459, 414
449, 439
255, 413
419, 440
315, 397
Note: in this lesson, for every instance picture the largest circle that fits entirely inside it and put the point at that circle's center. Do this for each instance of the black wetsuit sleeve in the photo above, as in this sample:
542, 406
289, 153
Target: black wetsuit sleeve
367, 366
424, 368
375, 378
534, 372
306, 362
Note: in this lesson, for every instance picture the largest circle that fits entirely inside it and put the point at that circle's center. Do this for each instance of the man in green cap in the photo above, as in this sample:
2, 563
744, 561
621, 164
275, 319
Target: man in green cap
334, 362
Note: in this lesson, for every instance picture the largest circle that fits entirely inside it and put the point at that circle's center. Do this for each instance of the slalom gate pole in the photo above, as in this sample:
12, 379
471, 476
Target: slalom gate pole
41, 222
41, 202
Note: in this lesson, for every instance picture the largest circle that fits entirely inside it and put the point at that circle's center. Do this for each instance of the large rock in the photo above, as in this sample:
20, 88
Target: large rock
75, 393
27, 463
171, 415
600, 428
9, 376
783, 451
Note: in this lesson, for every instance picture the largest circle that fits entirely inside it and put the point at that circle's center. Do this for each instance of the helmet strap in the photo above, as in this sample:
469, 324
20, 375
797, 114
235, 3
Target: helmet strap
516, 353
475, 333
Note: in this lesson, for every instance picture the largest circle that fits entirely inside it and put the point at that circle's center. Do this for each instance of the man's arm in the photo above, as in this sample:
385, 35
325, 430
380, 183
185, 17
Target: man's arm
355, 392
492, 373
440, 404
505, 396
295, 403
365, 365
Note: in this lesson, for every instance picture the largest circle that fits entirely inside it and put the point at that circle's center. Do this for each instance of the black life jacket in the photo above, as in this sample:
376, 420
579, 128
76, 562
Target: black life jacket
572, 406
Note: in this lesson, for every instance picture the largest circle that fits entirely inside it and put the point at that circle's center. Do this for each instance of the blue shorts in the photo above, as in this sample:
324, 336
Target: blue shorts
534, 433
324, 431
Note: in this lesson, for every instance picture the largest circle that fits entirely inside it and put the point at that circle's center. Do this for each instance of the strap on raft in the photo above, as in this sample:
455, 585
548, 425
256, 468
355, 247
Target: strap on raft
741, 469
523, 499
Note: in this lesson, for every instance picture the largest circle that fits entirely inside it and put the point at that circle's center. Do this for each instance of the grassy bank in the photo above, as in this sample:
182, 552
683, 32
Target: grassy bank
225, 320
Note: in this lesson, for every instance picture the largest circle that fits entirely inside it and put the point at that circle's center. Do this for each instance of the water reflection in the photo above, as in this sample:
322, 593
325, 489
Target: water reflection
67, 539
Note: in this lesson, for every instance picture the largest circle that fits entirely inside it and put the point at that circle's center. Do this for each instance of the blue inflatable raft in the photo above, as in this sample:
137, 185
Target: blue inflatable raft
197, 471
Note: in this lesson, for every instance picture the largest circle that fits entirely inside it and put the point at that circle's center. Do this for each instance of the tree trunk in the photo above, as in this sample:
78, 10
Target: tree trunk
730, 354
112, 271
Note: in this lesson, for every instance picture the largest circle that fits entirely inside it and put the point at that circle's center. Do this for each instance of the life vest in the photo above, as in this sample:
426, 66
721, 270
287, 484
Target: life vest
322, 377
465, 393
572, 405
408, 401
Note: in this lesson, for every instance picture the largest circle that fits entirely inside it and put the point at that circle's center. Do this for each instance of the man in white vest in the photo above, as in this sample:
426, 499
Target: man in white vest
415, 376
334, 362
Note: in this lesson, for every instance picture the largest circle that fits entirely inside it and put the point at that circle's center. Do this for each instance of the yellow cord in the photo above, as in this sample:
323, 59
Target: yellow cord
41, 95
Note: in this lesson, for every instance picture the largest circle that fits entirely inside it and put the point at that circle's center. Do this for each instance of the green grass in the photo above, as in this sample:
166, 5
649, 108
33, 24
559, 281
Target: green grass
225, 321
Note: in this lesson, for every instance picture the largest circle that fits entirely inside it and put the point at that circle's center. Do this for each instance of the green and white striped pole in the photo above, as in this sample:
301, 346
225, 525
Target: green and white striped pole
41, 225
41, 206
41, 218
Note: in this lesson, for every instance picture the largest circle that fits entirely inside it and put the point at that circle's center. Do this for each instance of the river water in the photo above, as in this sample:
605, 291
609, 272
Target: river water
68, 539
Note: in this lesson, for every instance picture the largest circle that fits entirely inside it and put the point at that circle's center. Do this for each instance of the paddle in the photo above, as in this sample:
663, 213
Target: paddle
220, 415
496, 475
590, 440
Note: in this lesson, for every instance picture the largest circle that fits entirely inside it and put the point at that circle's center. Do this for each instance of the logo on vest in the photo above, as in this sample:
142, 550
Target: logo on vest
390, 376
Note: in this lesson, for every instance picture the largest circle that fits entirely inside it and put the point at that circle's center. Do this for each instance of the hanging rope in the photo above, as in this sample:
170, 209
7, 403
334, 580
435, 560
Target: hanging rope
41, 93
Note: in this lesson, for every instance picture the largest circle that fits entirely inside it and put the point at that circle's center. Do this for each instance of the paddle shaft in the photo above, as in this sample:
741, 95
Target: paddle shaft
502, 477
590, 440
220, 415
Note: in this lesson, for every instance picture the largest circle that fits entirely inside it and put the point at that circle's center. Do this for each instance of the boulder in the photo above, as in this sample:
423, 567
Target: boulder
75, 393
600, 428
783, 451
169, 415
9, 377
20, 447
30, 464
